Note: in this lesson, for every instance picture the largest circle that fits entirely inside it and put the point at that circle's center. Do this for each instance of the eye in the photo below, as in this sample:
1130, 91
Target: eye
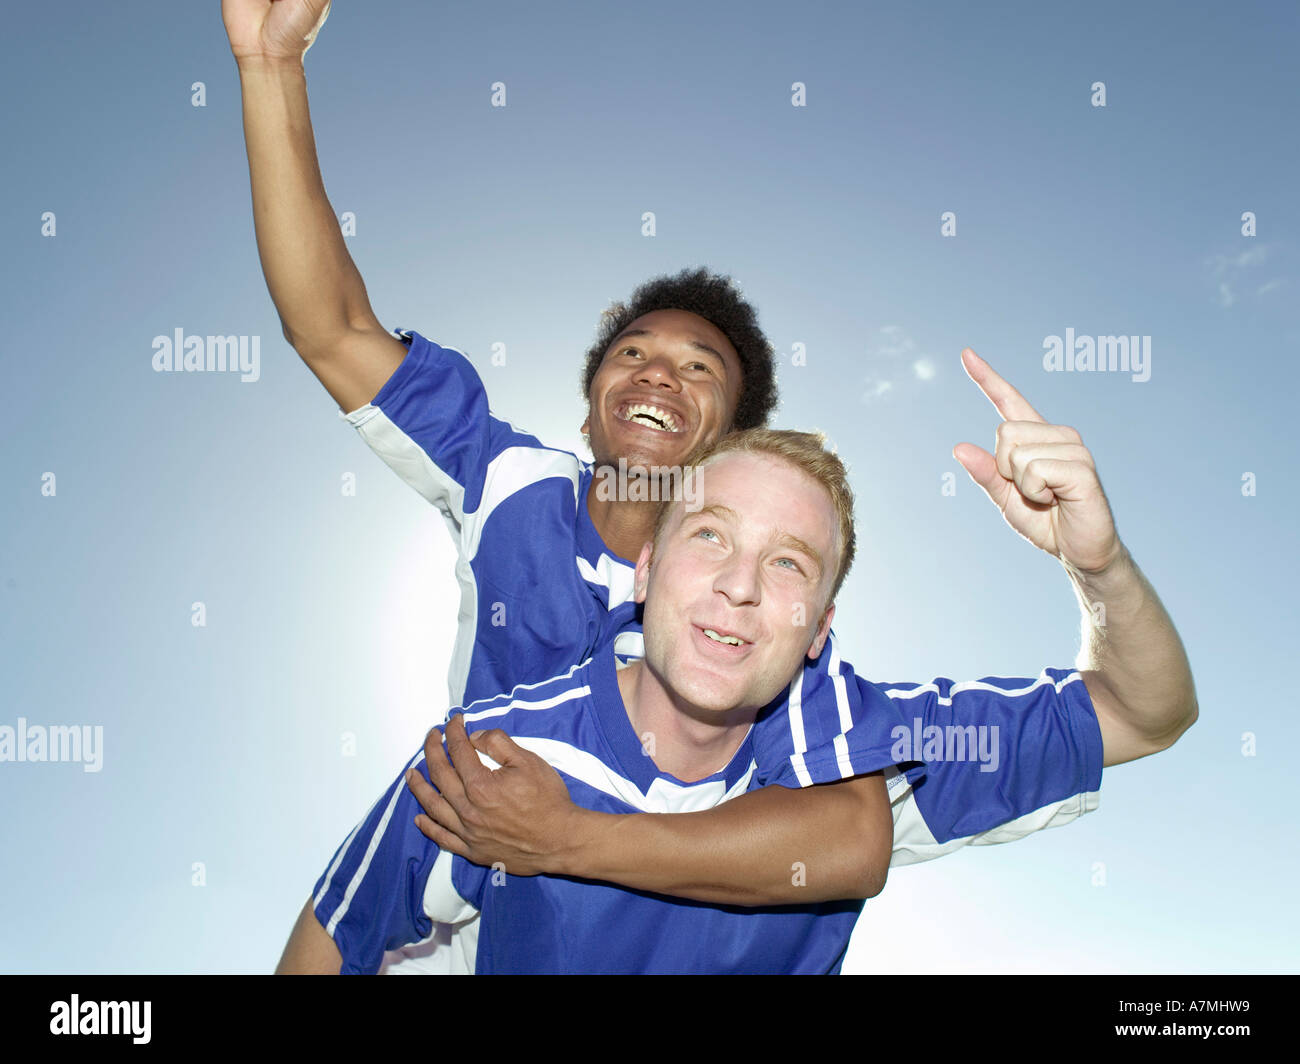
790, 564
704, 533
700, 366
630, 351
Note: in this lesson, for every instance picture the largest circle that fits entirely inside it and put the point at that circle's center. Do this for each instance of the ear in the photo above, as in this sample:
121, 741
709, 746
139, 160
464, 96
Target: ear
586, 423
642, 577
823, 632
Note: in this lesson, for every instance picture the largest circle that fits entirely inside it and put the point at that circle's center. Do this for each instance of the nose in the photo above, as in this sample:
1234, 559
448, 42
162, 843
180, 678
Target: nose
658, 371
737, 579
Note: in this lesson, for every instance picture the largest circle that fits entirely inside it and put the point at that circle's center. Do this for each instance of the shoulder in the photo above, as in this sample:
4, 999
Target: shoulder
524, 702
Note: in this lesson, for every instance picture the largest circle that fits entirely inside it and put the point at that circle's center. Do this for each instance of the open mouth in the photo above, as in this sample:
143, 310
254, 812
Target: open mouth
721, 642
649, 415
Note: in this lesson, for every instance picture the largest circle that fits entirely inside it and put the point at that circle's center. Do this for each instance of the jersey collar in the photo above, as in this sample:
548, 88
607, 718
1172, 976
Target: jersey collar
611, 714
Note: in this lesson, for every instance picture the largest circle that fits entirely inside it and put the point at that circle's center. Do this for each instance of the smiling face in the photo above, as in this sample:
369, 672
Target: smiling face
738, 593
669, 382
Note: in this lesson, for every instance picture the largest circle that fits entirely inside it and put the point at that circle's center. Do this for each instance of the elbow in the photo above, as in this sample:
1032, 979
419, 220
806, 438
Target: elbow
872, 867
1188, 718
868, 836
868, 873
873, 881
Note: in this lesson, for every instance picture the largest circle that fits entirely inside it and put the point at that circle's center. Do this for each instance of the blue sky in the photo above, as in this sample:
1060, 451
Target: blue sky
518, 225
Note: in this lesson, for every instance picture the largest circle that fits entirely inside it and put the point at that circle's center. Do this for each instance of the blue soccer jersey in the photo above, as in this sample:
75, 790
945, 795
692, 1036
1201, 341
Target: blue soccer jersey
539, 587
1003, 757
388, 885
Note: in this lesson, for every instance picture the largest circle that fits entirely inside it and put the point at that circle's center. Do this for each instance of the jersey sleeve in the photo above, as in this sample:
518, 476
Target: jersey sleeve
387, 884
1003, 758
431, 424
829, 726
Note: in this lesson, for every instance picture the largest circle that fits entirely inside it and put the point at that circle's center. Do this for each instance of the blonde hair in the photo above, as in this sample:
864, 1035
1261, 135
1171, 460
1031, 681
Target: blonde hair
805, 451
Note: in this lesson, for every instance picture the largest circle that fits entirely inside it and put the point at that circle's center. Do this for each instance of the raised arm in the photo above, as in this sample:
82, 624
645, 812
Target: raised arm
322, 302
1043, 480
1134, 665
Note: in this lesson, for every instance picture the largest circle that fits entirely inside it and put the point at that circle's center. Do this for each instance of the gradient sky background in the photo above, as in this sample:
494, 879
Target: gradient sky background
477, 225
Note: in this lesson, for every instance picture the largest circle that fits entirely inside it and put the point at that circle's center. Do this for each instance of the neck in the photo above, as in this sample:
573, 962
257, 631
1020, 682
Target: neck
625, 525
680, 738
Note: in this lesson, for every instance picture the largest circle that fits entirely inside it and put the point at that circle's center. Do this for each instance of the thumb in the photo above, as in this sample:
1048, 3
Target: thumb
983, 469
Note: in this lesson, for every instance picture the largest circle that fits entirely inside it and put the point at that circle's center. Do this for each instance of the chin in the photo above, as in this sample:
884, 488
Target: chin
713, 699
644, 450
668, 455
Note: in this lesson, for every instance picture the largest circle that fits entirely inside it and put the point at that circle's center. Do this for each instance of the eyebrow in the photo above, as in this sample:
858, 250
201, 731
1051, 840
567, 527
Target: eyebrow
785, 539
796, 544
718, 511
693, 343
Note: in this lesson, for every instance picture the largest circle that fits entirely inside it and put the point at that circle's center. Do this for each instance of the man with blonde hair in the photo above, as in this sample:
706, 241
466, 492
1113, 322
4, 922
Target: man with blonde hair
736, 595
1004, 756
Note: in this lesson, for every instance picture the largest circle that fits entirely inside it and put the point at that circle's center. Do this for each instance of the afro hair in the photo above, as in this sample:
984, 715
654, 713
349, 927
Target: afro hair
715, 298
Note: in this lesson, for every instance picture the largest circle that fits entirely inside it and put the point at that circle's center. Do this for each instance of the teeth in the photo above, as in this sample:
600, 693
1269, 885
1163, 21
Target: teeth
729, 639
645, 410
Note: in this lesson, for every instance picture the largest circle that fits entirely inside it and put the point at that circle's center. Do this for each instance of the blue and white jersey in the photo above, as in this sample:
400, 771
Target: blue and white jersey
540, 590
1003, 757
388, 886
536, 580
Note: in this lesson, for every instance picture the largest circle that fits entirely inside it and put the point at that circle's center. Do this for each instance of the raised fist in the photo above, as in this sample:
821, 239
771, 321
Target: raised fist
273, 29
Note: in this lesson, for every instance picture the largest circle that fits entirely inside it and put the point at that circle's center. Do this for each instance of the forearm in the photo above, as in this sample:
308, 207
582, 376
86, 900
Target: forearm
1130, 640
772, 846
312, 279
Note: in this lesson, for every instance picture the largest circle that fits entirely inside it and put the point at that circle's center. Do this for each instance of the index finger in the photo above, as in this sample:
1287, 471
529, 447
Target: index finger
1006, 400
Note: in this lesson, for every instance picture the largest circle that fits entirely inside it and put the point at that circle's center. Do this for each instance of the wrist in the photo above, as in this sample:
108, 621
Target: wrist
1117, 570
1119, 587
270, 65
580, 844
